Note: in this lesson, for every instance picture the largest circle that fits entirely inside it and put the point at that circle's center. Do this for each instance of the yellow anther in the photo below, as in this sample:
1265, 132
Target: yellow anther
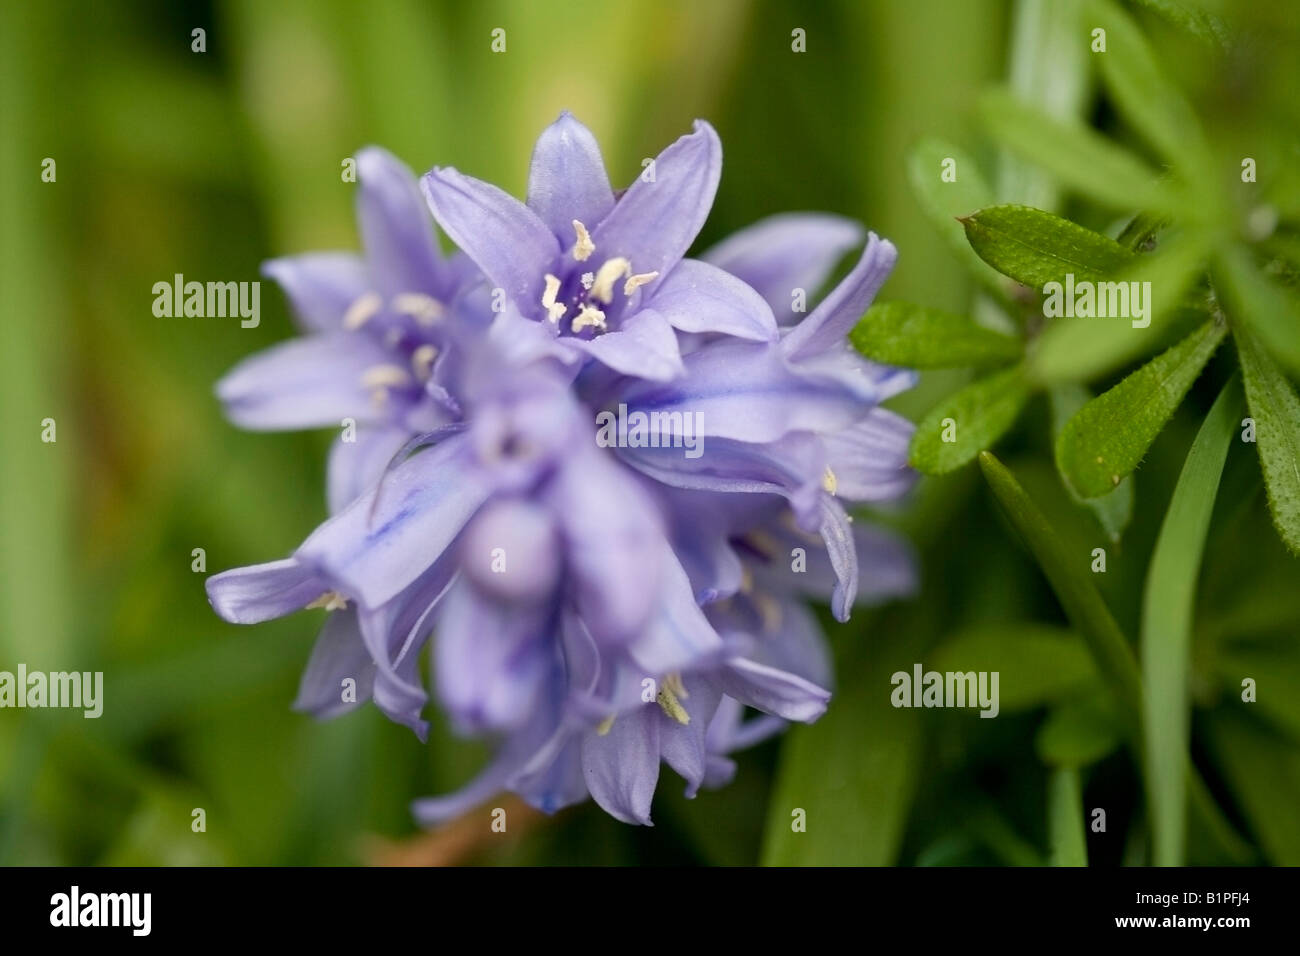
829, 481
602, 288
422, 361
554, 310
365, 308
330, 601
635, 282
589, 317
584, 247
425, 309
605, 726
671, 705
384, 376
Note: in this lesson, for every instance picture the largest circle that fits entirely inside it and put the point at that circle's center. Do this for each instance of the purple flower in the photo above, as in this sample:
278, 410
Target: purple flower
596, 611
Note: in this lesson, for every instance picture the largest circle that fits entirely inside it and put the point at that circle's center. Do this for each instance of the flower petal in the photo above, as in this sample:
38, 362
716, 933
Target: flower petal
747, 391
261, 592
683, 745
492, 660
654, 223
837, 532
400, 246
567, 179
772, 690
698, 297
339, 655
830, 322
514, 248
677, 636
643, 346
320, 286
355, 466
869, 458
303, 383
782, 253
379, 547
621, 767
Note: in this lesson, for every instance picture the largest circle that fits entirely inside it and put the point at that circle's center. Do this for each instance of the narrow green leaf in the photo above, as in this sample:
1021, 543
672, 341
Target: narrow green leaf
1113, 510
1035, 247
1154, 106
1038, 664
1065, 819
1276, 411
1108, 437
944, 202
1167, 607
1080, 158
915, 336
1079, 733
1254, 300
1067, 575
967, 422
1075, 350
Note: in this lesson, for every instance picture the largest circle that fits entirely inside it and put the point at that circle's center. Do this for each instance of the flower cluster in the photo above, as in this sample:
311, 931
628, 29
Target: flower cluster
594, 610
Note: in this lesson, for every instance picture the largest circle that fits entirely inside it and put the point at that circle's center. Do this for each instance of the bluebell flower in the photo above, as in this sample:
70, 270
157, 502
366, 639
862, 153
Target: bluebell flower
596, 611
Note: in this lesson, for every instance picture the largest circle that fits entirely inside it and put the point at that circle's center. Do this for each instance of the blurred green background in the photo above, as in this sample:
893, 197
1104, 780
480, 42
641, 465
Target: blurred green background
171, 161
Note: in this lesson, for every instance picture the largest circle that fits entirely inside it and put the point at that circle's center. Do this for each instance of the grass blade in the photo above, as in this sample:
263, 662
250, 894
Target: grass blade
1167, 626
1065, 819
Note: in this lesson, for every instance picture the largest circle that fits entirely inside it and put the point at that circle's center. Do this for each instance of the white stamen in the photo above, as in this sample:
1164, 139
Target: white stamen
635, 282
584, 247
425, 309
365, 308
330, 601
554, 310
602, 289
382, 376
589, 317
422, 361
587, 279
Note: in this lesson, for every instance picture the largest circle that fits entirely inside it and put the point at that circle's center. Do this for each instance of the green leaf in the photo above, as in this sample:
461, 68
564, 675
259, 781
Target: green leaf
1078, 733
1035, 247
1066, 573
944, 202
1080, 158
1276, 411
1038, 664
915, 336
1075, 350
974, 418
1155, 107
1108, 437
1254, 300
1167, 608
1065, 819
1113, 510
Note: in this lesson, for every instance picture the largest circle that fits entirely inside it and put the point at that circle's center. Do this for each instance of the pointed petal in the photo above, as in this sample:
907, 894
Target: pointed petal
492, 660
678, 636
621, 767
355, 466
567, 179
339, 655
782, 253
837, 532
829, 323
869, 458
261, 592
654, 223
746, 391
644, 346
310, 382
514, 248
378, 548
320, 286
772, 691
698, 297
400, 247
683, 745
